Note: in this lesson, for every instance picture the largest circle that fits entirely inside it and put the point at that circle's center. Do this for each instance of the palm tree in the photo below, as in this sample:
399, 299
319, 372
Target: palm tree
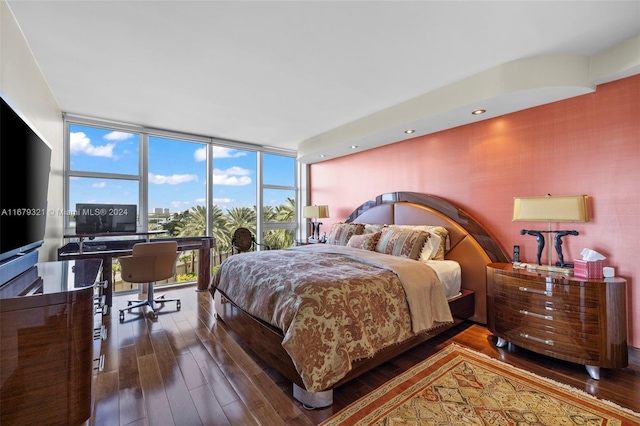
194, 224
242, 217
269, 214
286, 212
281, 238
221, 229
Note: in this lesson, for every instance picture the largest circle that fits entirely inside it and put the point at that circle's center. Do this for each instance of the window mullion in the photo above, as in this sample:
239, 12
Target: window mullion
144, 182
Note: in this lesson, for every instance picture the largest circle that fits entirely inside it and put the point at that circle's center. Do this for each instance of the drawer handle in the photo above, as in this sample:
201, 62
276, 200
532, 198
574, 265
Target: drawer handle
533, 290
100, 363
537, 339
533, 314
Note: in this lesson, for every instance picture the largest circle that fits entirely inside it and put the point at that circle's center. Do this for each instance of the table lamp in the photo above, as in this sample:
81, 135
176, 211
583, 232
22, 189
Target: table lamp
548, 208
315, 212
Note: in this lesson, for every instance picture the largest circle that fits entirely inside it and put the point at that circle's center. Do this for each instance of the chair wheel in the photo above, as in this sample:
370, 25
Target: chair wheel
121, 316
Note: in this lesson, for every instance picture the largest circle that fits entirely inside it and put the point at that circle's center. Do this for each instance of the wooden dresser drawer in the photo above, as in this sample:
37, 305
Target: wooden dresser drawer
567, 310
553, 337
554, 288
574, 319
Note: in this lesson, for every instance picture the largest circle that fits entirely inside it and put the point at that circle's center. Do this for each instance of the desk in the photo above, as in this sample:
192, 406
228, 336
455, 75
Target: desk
83, 237
106, 250
46, 343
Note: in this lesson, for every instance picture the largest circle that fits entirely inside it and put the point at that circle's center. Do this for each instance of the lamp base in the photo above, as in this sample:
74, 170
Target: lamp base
552, 269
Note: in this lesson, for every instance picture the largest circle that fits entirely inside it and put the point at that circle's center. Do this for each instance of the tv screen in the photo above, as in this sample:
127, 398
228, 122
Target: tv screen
105, 218
25, 163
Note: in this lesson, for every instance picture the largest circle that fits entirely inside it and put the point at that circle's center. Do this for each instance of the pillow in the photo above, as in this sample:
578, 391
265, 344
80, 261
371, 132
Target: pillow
443, 243
402, 242
342, 232
372, 228
364, 241
430, 249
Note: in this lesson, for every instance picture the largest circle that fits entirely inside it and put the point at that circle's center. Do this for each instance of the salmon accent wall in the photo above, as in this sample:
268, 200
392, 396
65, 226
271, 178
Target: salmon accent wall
584, 145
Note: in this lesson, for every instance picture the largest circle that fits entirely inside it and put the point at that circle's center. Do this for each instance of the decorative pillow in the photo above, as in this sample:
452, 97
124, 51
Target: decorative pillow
439, 243
342, 232
445, 242
402, 242
370, 228
364, 241
431, 247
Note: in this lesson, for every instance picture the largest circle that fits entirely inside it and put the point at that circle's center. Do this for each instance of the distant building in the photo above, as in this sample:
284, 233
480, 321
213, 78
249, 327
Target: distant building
161, 210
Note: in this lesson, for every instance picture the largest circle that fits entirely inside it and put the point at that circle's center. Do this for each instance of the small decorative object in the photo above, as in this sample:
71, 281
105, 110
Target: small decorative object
539, 239
548, 208
591, 264
315, 212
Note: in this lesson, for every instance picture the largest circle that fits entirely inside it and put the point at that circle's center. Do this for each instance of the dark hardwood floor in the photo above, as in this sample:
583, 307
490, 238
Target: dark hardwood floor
186, 368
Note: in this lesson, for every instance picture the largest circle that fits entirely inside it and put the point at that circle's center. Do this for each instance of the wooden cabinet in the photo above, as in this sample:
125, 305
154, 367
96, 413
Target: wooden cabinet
581, 320
46, 344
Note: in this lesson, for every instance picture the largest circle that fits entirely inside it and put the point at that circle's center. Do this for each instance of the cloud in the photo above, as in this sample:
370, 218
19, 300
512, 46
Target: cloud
118, 136
80, 144
171, 180
180, 205
221, 200
231, 180
222, 152
233, 176
200, 154
234, 170
99, 185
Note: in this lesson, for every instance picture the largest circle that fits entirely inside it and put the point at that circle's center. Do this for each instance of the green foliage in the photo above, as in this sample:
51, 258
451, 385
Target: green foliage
280, 238
191, 276
192, 222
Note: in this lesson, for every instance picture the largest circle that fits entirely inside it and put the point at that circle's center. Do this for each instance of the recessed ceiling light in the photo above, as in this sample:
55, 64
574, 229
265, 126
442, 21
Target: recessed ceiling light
354, 146
409, 131
322, 155
479, 111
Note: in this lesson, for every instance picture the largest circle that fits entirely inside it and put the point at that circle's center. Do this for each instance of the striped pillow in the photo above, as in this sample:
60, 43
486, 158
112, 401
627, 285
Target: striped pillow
342, 232
402, 242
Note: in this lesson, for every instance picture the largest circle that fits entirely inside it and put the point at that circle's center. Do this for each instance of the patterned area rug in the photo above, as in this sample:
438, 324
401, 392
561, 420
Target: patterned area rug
458, 386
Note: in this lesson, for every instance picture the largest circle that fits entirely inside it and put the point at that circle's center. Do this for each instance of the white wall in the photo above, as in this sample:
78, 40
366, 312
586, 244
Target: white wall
23, 86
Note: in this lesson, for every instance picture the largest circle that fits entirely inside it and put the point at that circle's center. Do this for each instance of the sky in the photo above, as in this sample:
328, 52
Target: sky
177, 172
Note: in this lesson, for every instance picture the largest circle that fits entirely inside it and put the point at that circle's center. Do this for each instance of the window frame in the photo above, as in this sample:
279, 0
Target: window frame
143, 175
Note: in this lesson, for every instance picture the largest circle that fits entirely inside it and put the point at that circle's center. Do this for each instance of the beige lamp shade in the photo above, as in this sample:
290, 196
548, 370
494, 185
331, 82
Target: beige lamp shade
315, 212
570, 208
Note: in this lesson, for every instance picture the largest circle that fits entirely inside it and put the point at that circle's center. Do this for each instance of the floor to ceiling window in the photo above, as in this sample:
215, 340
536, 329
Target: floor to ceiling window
235, 183
170, 177
279, 200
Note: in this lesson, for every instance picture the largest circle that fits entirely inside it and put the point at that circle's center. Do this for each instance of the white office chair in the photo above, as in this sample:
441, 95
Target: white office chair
148, 263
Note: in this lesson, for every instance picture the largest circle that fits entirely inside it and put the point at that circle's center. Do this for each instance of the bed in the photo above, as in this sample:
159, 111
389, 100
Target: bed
322, 314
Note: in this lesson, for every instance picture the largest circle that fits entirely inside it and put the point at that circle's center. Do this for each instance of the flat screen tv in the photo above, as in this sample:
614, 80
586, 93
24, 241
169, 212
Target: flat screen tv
94, 219
25, 164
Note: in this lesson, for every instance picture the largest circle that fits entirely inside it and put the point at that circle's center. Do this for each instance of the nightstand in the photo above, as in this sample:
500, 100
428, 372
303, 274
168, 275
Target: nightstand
581, 320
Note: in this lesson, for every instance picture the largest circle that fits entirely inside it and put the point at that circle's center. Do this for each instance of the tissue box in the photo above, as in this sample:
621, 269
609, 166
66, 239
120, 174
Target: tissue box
587, 268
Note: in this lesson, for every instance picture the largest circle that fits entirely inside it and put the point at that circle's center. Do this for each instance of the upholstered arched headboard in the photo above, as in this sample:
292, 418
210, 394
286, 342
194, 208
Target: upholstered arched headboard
471, 245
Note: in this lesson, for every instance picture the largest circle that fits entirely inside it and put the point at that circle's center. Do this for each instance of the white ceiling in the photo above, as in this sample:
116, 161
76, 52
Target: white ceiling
318, 76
